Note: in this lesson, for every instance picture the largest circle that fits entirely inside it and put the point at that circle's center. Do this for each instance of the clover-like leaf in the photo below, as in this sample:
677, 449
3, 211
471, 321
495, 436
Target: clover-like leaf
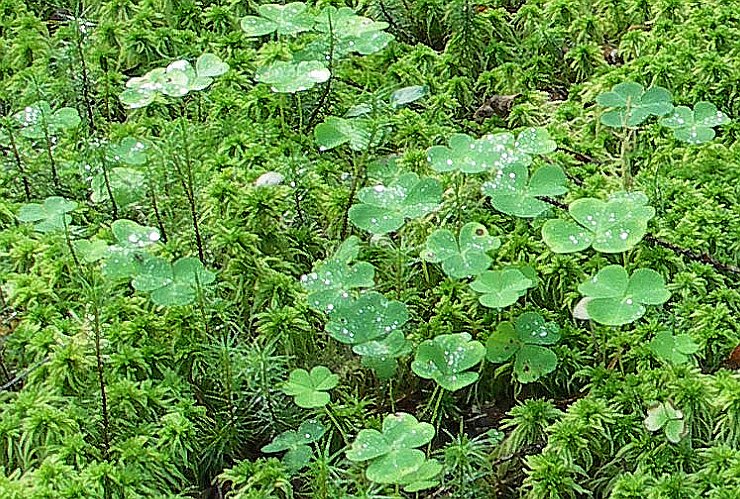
38, 120
613, 298
50, 216
172, 81
171, 284
309, 388
697, 126
491, 152
501, 288
675, 349
384, 209
525, 339
296, 442
611, 226
128, 151
514, 193
631, 104
407, 95
124, 258
664, 416
447, 359
424, 477
392, 453
207, 67
352, 33
331, 282
335, 131
92, 250
291, 77
370, 317
126, 185
463, 257
288, 19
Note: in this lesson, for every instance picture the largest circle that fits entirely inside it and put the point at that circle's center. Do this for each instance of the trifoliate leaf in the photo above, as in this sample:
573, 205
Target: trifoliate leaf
384, 209
675, 349
663, 415
447, 359
463, 257
38, 120
697, 126
525, 340
309, 388
171, 284
632, 105
370, 317
352, 33
126, 184
501, 288
296, 442
292, 77
613, 226
128, 150
207, 67
513, 193
50, 216
288, 19
335, 131
614, 298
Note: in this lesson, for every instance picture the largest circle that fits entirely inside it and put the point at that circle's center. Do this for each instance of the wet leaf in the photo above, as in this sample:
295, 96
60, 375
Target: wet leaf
370, 317
288, 19
292, 77
631, 104
514, 193
675, 349
296, 442
697, 126
463, 257
352, 33
501, 288
50, 216
664, 416
309, 388
38, 120
447, 359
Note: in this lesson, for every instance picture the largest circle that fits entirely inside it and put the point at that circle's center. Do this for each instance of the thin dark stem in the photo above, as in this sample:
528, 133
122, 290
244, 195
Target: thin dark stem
68, 240
52, 163
23, 375
189, 186
85, 81
19, 163
108, 188
327, 87
160, 223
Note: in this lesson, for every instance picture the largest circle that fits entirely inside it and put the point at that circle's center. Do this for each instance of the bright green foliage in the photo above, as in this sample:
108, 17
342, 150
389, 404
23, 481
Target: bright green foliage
38, 121
463, 257
384, 209
330, 283
291, 77
176, 80
50, 216
369, 317
125, 256
393, 454
288, 19
631, 104
664, 416
614, 298
501, 288
490, 152
309, 388
447, 359
675, 349
335, 131
611, 226
352, 33
91, 251
697, 126
524, 340
126, 184
514, 193
129, 151
296, 442
172, 284
407, 95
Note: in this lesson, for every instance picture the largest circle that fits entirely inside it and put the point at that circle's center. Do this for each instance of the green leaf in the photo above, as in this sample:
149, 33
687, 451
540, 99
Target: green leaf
525, 340
331, 282
292, 77
501, 288
207, 67
535, 141
614, 226
128, 150
464, 257
369, 317
335, 131
511, 191
172, 81
674, 349
50, 216
296, 442
309, 389
126, 184
384, 209
407, 95
664, 416
38, 120
697, 126
352, 33
171, 284
129, 234
632, 105
614, 299
288, 19
423, 477
91, 251
447, 358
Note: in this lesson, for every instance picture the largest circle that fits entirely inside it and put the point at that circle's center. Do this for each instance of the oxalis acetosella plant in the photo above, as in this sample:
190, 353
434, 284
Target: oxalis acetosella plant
177, 80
